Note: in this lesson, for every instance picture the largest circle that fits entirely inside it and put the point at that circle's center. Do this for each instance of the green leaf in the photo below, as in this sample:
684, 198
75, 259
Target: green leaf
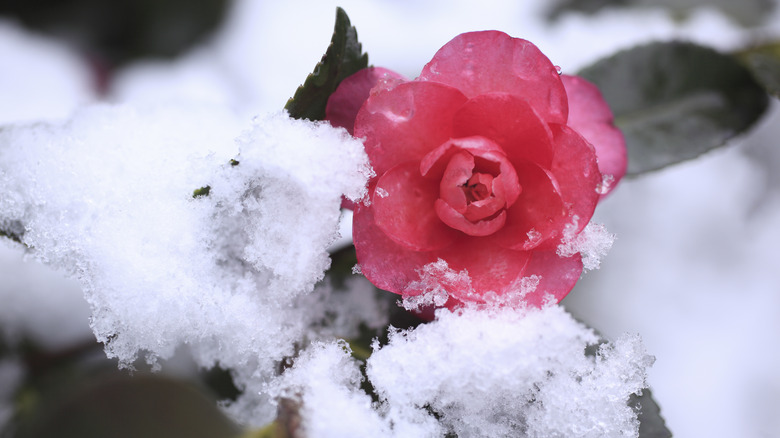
744, 12
122, 406
16, 238
676, 100
13, 230
558, 9
651, 423
764, 62
343, 58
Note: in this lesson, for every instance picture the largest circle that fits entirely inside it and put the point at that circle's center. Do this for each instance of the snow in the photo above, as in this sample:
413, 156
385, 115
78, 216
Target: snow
476, 373
325, 382
509, 373
437, 282
593, 243
104, 192
112, 204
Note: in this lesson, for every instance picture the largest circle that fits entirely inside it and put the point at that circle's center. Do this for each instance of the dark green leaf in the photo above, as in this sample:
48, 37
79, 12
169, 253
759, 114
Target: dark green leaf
764, 62
651, 424
13, 230
744, 12
10, 235
675, 100
344, 57
561, 7
129, 406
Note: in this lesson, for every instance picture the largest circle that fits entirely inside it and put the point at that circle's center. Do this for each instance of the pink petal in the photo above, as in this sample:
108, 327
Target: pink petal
403, 204
344, 103
385, 263
577, 174
459, 170
479, 210
406, 122
536, 215
433, 164
509, 121
592, 118
558, 275
347, 204
483, 62
486, 154
491, 268
506, 186
456, 220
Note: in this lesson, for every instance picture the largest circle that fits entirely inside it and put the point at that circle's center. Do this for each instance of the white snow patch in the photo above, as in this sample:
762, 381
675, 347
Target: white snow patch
593, 243
324, 383
476, 373
108, 197
509, 373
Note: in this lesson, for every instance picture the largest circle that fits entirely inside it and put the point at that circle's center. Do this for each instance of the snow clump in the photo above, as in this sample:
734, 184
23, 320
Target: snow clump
476, 373
107, 196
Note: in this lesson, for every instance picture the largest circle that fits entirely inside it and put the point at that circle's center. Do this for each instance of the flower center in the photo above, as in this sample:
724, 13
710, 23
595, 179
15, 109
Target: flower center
477, 183
477, 187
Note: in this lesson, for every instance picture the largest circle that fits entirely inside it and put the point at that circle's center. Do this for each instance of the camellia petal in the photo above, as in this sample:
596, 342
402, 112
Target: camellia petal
592, 118
492, 61
406, 122
352, 92
509, 121
385, 263
456, 220
403, 204
557, 275
433, 164
577, 174
482, 209
459, 170
536, 216
491, 268
488, 158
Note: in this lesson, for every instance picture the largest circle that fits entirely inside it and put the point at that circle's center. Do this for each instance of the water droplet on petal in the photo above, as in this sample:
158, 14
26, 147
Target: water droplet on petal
558, 69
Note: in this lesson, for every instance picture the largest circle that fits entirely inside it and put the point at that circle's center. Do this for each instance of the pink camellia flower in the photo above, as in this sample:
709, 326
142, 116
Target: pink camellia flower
484, 164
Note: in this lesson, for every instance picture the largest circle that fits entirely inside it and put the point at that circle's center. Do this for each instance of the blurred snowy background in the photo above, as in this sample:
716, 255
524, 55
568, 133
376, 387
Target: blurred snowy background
693, 270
